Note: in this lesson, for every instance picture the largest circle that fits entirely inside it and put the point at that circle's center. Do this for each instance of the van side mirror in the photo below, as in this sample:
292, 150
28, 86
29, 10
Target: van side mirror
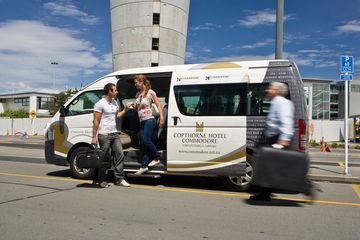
63, 111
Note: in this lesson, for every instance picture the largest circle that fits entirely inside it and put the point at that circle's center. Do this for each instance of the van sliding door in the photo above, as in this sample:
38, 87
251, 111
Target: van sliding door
207, 123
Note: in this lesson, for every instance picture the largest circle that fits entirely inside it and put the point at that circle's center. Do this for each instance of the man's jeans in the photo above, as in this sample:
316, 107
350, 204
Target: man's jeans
107, 142
147, 128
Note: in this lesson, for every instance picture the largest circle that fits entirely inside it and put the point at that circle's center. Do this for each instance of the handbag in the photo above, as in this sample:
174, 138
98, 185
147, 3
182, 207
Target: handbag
154, 109
91, 158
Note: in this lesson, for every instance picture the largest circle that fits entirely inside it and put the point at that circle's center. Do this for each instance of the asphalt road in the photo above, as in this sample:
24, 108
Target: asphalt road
41, 201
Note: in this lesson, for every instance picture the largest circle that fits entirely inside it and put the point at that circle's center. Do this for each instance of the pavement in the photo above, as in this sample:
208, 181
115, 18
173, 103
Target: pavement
321, 168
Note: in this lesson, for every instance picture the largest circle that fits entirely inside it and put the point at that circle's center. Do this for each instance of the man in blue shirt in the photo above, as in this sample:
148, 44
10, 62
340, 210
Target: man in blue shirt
279, 126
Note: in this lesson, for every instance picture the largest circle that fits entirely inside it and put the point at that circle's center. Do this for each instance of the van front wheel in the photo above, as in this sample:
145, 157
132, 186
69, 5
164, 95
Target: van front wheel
241, 183
80, 173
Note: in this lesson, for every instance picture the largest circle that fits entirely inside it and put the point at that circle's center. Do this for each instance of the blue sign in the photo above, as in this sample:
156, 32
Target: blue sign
346, 77
346, 64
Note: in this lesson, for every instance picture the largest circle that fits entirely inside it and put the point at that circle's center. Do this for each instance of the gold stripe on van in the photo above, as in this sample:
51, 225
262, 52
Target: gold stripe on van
214, 162
60, 137
221, 65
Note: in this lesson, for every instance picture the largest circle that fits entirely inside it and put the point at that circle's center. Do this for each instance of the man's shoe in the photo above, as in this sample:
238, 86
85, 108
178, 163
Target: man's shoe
154, 162
122, 183
141, 171
103, 184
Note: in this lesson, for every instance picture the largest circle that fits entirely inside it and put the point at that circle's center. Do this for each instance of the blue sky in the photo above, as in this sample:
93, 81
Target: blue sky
77, 35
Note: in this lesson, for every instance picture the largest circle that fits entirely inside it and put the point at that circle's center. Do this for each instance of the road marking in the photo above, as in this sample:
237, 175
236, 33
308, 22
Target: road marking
46, 178
139, 186
356, 189
341, 164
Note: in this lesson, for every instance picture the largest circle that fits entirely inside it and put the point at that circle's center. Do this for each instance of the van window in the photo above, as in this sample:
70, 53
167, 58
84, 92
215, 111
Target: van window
257, 102
211, 99
84, 103
160, 83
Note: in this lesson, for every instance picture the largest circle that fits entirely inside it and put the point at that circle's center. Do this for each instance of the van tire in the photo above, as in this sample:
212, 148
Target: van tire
241, 184
80, 173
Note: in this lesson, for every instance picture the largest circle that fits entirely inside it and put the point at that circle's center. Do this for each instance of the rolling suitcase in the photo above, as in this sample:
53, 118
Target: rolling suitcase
281, 169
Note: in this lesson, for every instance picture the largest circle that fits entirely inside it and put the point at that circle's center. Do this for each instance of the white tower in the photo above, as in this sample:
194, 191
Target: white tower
148, 32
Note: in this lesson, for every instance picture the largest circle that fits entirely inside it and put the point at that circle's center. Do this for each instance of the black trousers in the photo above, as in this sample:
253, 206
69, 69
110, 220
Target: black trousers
262, 191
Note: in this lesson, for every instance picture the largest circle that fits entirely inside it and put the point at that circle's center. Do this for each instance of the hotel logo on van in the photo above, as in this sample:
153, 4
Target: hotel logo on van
215, 77
199, 127
179, 79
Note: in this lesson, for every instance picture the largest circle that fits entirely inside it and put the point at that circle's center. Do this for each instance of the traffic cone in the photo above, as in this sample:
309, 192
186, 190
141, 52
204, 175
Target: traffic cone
323, 147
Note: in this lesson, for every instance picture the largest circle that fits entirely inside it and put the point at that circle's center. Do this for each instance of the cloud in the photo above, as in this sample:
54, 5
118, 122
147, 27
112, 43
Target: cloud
106, 61
206, 27
263, 17
28, 47
192, 57
308, 57
70, 10
266, 42
313, 58
295, 38
349, 27
341, 45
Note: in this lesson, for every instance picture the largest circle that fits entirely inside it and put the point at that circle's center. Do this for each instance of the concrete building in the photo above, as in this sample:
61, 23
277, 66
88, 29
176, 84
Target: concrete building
29, 101
148, 32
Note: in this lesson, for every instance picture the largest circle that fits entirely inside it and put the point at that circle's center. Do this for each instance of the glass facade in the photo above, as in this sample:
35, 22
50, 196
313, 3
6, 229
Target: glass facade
321, 101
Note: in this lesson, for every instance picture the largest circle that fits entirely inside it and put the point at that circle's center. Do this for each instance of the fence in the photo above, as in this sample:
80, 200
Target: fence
332, 131
23, 125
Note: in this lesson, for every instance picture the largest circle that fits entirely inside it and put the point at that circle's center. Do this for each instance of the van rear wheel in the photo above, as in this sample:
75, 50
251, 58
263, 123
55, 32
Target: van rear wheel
241, 183
80, 173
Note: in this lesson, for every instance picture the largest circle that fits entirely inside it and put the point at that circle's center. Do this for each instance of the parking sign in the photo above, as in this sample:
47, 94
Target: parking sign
346, 64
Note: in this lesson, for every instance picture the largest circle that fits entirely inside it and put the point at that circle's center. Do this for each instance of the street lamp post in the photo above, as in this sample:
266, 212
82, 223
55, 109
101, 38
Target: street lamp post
54, 64
279, 29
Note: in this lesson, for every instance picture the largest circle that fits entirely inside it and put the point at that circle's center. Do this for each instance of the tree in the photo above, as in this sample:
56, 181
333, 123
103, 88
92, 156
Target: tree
60, 99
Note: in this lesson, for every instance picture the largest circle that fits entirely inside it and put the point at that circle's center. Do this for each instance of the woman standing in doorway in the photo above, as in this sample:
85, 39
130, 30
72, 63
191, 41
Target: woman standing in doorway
145, 97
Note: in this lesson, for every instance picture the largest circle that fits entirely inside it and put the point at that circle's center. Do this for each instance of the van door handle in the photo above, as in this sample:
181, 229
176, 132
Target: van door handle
175, 120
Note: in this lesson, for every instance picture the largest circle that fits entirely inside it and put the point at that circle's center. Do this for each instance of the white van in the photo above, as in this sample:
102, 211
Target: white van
214, 114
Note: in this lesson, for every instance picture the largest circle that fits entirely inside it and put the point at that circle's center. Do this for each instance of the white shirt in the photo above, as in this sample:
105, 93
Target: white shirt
280, 119
108, 117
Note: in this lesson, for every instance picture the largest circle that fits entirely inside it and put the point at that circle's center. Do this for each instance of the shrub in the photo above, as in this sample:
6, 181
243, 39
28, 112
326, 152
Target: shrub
21, 113
357, 147
313, 143
334, 145
341, 145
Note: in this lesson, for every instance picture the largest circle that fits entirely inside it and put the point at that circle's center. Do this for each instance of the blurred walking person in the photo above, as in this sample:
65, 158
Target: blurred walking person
279, 126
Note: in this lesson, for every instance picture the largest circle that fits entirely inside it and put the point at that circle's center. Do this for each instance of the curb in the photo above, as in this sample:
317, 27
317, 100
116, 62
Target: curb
23, 145
336, 179
328, 163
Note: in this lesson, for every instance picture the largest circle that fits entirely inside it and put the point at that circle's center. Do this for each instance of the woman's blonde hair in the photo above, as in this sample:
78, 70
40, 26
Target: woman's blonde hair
145, 81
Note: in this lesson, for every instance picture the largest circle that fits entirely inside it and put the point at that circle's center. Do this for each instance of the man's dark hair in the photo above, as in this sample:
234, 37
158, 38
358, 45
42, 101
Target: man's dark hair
108, 87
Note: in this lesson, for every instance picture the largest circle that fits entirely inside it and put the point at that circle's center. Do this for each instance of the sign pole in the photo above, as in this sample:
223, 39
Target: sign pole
346, 130
346, 74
